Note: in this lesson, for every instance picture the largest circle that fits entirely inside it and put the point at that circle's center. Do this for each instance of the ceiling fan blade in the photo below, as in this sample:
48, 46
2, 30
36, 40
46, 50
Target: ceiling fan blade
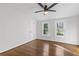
52, 10
52, 5
39, 11
40, 4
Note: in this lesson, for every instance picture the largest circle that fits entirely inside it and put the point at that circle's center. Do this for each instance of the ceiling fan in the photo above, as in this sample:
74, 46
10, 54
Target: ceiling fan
46, 8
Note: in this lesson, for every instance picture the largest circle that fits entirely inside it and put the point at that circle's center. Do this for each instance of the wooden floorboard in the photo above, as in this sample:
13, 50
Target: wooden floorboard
43, 48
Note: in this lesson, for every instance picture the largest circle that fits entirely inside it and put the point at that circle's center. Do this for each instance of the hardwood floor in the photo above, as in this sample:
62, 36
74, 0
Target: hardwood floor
43, 48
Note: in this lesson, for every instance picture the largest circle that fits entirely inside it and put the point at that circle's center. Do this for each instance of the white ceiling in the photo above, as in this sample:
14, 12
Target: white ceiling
62, 10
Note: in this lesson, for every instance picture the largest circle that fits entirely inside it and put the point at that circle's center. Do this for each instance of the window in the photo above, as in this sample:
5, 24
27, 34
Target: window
59, 28
45, 28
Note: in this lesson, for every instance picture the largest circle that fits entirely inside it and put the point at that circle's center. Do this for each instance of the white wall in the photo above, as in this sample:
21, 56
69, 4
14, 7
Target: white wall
17, 25
69, 13
71, 30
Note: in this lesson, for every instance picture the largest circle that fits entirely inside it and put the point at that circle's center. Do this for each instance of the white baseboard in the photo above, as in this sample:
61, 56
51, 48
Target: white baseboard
18, 44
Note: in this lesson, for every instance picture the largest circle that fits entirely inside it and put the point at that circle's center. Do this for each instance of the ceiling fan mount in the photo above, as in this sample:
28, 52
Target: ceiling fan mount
45, 8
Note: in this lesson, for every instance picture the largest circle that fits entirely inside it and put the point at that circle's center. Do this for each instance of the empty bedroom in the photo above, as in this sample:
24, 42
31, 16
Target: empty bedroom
39, 29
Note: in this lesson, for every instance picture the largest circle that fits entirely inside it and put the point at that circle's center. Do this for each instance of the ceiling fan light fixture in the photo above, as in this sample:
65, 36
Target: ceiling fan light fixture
45, 12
